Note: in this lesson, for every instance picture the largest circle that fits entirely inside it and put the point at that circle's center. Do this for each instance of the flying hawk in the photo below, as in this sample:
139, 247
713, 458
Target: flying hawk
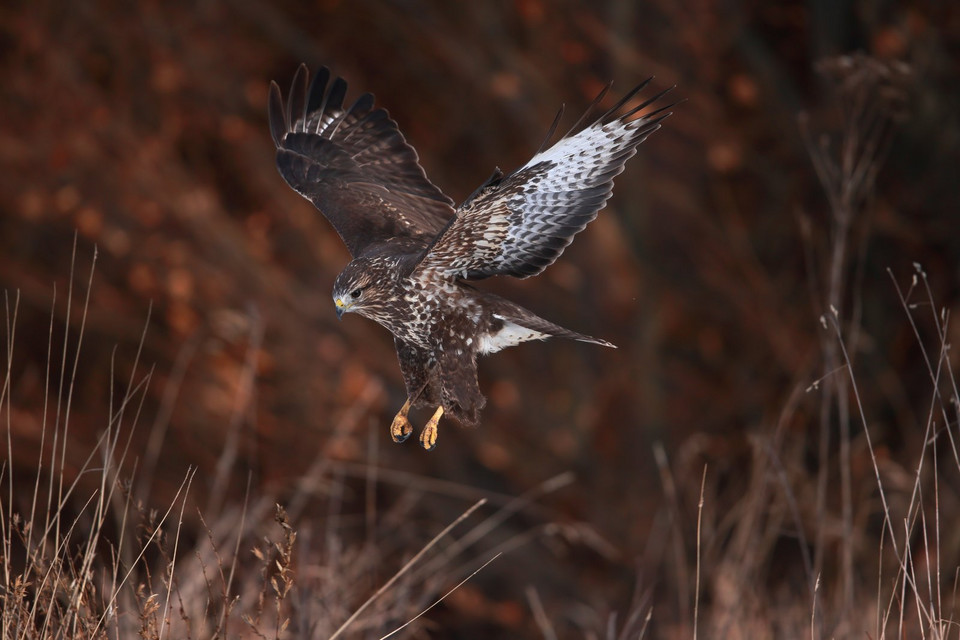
414, 252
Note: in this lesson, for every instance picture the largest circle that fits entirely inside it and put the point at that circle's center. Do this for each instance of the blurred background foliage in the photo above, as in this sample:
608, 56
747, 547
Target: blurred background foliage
141, 128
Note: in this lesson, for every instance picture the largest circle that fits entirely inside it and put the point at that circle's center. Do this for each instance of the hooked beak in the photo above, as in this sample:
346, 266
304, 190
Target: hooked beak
340, 308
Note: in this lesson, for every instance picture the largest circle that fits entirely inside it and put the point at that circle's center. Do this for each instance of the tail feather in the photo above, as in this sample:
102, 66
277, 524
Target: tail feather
522, 325
552, 330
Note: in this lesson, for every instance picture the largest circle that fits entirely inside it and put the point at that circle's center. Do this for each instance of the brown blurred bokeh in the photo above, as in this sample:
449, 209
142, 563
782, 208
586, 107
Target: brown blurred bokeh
141, 128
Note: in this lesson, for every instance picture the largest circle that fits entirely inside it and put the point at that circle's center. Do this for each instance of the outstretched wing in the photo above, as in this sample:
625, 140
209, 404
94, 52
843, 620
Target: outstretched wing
518, 225
353, 164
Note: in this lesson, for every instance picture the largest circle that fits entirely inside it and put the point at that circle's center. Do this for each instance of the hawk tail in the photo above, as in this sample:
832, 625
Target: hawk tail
559, 332
521, 325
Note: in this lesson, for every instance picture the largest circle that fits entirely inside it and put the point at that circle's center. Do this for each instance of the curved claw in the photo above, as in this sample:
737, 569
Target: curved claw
400, 428
428, 437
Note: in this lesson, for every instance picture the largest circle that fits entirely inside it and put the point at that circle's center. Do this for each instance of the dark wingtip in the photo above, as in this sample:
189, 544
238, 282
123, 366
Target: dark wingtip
276, 115
362, 105
611, 112
659, 115
577, 125
552, 130
646, 103
318, 87
334, 99
297, 98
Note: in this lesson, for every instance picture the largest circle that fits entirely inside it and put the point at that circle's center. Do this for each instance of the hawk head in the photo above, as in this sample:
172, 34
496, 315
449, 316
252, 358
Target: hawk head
364, 286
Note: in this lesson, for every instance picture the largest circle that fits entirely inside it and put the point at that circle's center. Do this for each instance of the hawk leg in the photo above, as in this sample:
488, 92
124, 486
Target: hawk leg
417, 366
400, 428
428, 437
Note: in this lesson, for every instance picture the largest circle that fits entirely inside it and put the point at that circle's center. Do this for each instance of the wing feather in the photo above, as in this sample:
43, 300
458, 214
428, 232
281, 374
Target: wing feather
353, 164
519, 225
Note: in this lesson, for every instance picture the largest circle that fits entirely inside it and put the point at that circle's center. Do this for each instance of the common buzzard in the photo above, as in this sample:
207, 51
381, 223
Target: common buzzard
414, 251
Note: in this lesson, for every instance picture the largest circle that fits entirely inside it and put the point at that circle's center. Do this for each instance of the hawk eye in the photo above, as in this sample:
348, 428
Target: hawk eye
356, 293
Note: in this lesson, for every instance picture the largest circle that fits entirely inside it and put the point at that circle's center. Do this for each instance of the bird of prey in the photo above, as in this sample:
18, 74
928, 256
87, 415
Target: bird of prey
415, 253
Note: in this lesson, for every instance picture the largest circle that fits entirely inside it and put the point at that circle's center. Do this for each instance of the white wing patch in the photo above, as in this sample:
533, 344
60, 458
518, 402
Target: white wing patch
519, 224
595, 142
509, 335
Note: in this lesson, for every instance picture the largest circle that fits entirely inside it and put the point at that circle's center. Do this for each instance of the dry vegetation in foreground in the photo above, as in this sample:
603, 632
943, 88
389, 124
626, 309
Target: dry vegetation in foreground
103, 564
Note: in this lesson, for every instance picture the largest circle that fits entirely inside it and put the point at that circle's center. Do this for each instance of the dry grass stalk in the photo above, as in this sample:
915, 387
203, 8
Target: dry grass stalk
871, 96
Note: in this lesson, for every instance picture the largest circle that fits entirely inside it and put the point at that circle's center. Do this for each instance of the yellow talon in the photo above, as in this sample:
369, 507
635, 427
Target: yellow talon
428, 437
400, 428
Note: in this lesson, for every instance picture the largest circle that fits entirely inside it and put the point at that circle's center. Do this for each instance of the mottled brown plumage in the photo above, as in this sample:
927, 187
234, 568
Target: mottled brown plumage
413, 251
